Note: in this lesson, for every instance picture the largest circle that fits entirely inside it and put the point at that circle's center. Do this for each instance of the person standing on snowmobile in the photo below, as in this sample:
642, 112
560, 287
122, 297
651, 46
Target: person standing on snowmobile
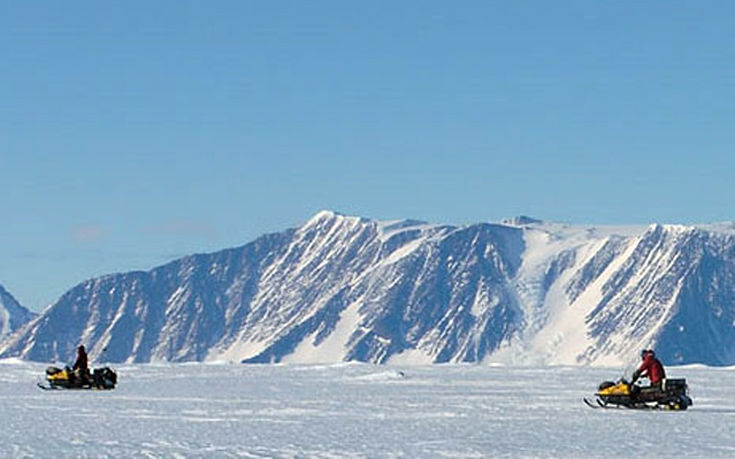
81, 366
650, 368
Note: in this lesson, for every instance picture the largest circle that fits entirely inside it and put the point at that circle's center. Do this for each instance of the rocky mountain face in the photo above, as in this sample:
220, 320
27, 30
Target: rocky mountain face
12, 314
345, 288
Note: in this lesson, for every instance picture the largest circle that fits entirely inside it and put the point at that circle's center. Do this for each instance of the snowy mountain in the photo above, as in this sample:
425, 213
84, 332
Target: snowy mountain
348, 288
12, 314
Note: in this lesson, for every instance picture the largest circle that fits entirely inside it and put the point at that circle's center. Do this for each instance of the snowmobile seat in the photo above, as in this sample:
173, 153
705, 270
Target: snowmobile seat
649, 394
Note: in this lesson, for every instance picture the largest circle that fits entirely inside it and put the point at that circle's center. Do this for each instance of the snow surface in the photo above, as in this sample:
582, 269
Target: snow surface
355, 410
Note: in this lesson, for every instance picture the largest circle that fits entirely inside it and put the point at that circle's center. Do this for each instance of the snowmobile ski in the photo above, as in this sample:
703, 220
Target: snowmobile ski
590, 404
597, 403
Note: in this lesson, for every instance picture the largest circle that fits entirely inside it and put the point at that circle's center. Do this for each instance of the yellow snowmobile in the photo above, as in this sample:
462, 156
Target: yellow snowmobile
673, 395
66, 378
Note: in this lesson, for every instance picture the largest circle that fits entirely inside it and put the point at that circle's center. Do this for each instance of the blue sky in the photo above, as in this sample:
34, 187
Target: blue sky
132, 133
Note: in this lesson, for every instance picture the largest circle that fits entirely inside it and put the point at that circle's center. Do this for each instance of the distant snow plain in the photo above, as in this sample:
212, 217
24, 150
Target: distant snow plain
356, 410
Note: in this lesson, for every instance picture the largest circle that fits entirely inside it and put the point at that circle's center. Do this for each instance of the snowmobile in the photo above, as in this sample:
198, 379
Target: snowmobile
66, 378
673, 396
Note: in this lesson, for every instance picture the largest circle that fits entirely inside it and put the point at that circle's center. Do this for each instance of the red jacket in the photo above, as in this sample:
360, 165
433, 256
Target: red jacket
652, 369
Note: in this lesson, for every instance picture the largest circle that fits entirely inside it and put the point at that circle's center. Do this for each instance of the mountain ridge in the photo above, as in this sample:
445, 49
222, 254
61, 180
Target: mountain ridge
341, 288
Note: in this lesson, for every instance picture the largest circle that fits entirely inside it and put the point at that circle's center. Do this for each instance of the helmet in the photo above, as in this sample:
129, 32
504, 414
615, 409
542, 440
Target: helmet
81, 347
644, 352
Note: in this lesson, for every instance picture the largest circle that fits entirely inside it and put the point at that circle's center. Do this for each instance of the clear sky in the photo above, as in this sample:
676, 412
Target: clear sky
132, 133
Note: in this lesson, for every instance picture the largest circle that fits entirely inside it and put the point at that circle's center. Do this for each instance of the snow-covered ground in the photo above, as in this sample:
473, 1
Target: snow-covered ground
355, 410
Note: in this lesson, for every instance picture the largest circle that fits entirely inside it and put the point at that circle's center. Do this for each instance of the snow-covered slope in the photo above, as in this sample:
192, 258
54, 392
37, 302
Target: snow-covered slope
12, 314
605, 294
347, 288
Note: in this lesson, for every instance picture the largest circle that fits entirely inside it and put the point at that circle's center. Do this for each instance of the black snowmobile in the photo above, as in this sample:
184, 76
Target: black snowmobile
66, 378
673, 395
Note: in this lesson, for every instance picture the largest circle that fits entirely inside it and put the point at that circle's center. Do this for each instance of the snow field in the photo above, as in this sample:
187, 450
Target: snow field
355, 410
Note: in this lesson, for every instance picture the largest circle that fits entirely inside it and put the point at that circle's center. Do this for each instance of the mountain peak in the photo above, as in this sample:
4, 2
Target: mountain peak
330, 217
521, 220
326, 214
12, 313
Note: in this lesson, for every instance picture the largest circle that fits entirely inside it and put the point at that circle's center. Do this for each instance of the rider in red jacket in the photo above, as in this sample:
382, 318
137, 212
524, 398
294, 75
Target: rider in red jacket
650, 368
